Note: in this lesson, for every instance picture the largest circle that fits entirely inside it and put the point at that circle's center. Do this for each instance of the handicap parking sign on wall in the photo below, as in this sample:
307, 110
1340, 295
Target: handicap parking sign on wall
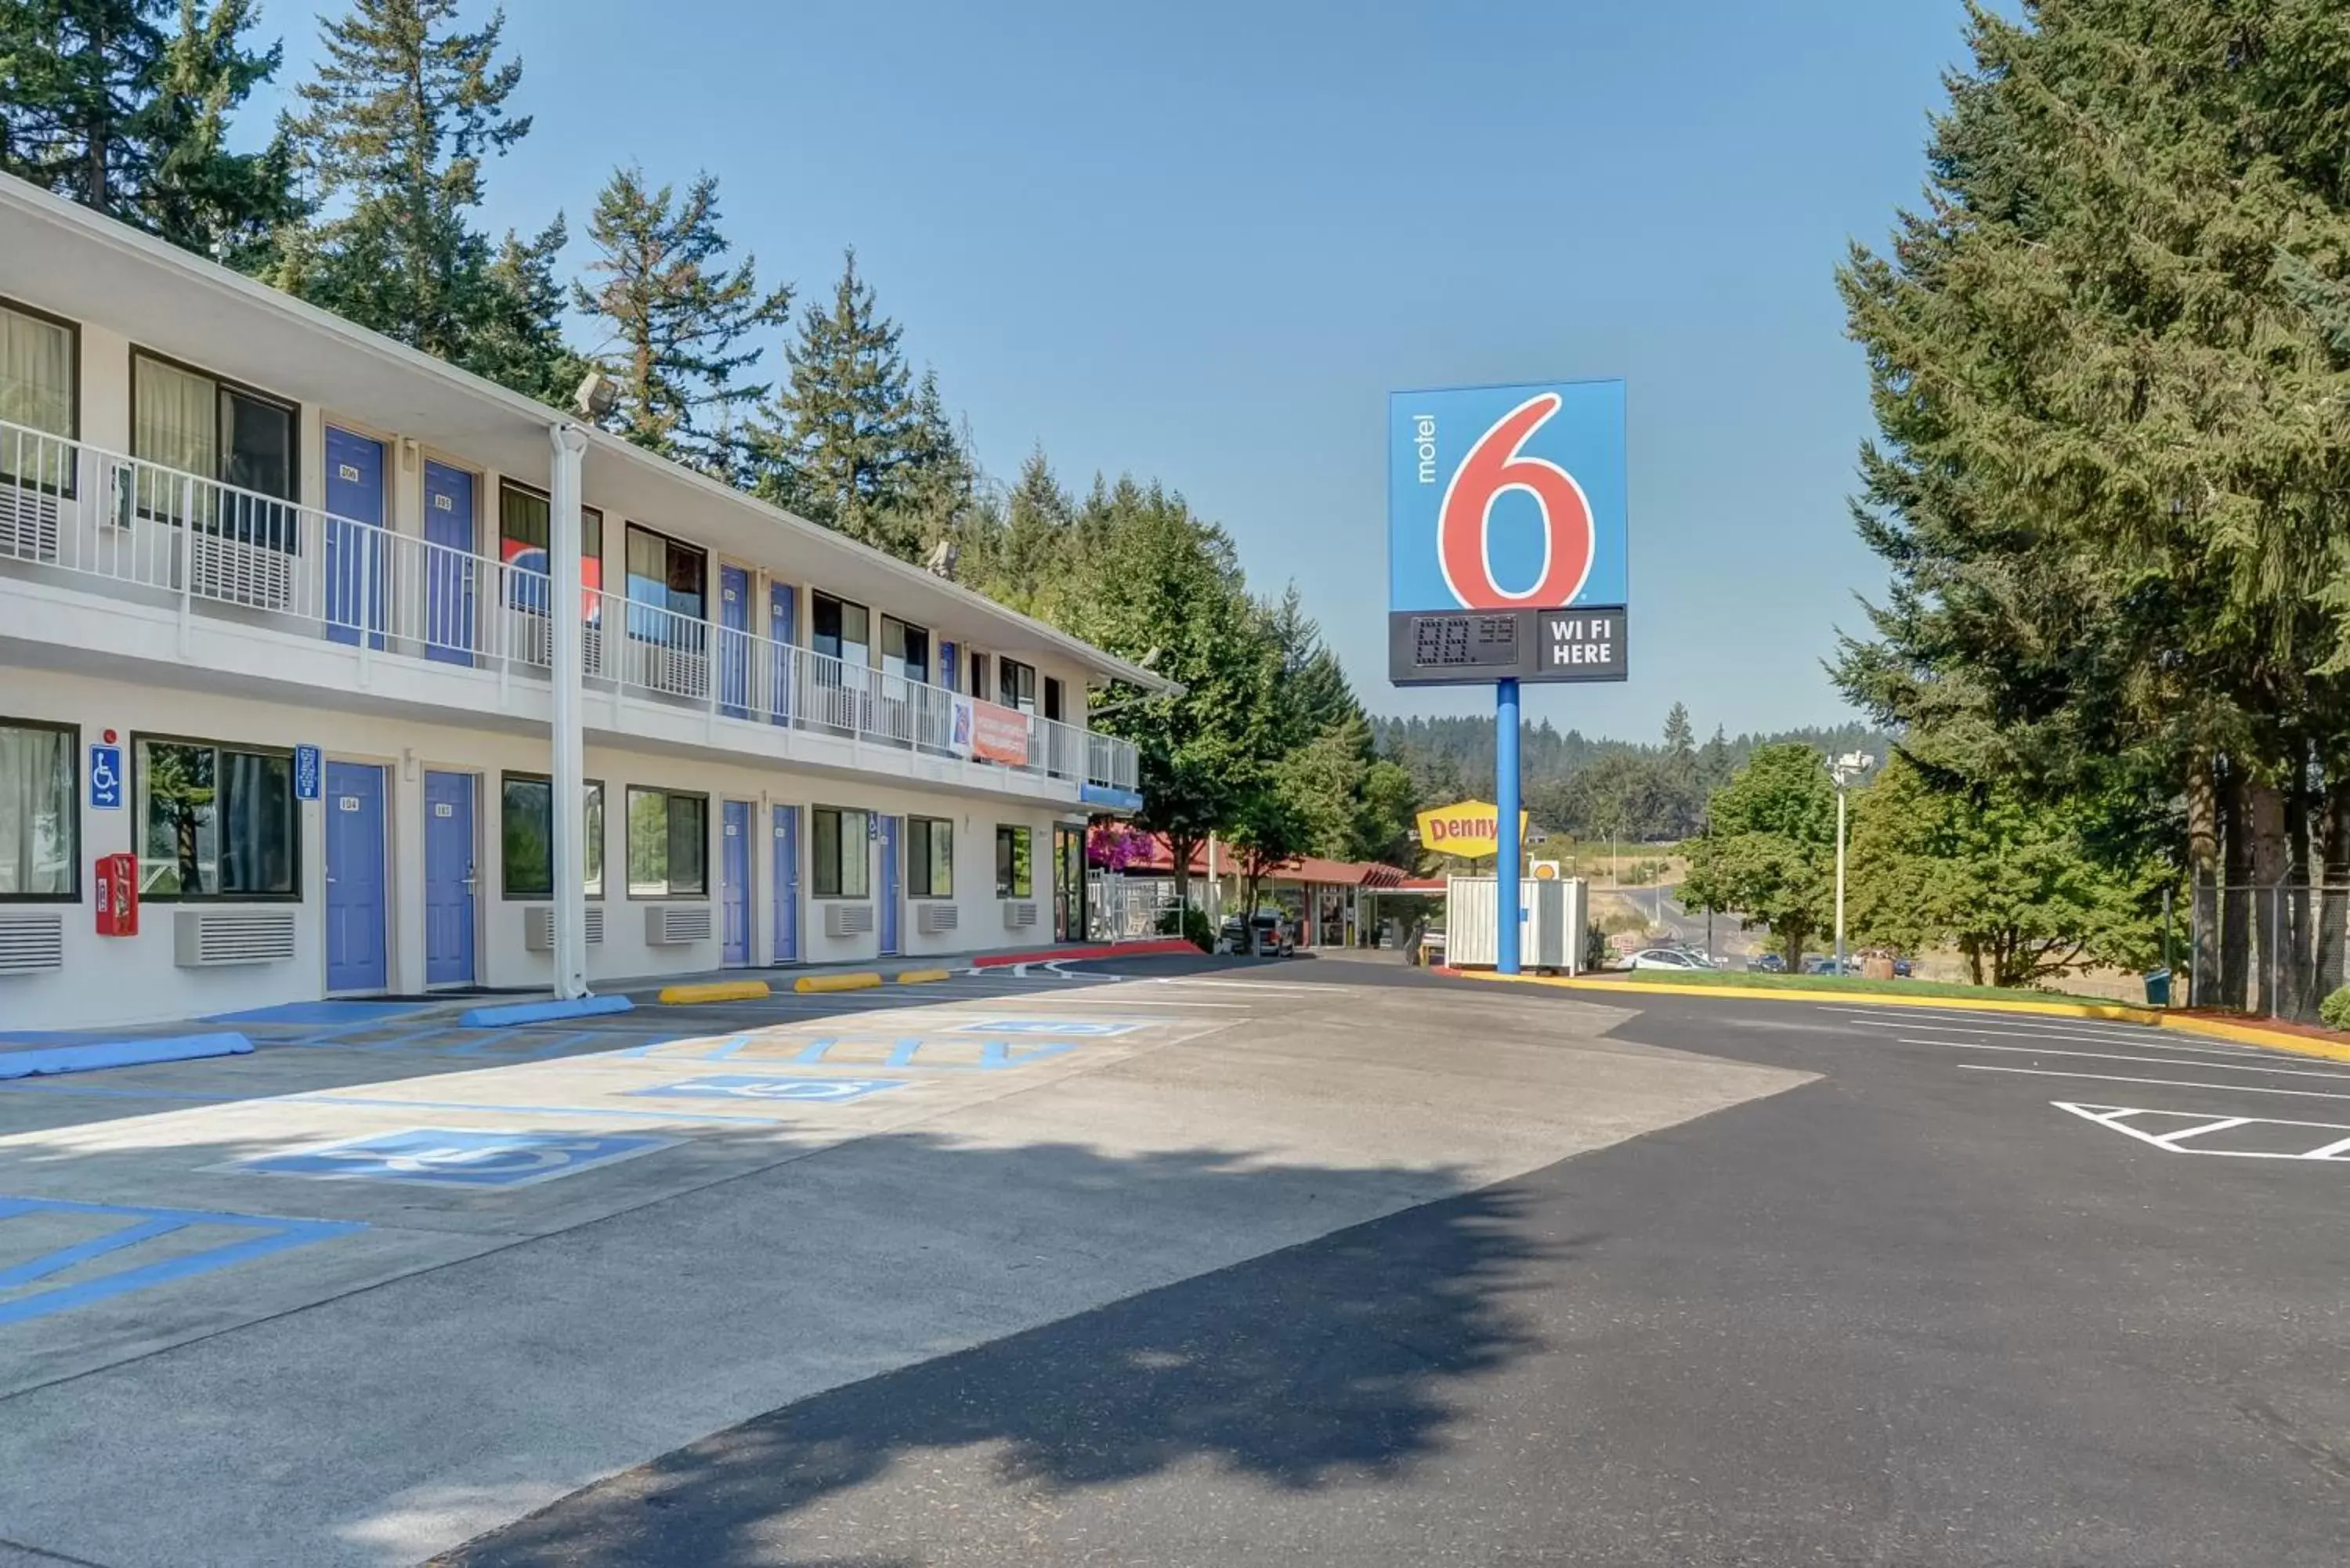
451, 1157
106, 778
752, 1087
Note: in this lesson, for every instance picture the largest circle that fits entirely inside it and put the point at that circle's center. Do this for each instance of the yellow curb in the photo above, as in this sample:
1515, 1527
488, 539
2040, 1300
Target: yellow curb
920, 976
2113, 1014
2242, 1033
2253, 1035
863, 981
716, 990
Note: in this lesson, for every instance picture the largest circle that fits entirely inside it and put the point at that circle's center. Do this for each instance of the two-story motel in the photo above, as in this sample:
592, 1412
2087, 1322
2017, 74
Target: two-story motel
392, 681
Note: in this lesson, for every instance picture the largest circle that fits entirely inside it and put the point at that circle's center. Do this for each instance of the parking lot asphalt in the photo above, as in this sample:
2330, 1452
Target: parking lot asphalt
1978, 1290
368, 1292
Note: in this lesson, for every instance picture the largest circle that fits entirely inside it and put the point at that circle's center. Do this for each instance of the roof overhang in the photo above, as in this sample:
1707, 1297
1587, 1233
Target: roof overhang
64, 257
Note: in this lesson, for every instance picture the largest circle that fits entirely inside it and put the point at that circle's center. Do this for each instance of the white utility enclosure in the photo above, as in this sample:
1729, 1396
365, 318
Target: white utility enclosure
1555, 913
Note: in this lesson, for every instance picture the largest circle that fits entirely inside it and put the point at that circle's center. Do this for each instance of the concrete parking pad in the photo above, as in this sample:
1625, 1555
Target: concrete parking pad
477, 1350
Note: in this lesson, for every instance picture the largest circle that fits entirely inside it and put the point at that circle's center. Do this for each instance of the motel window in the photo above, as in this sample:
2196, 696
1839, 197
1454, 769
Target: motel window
214, 821
524, 539
1053, 698
905, 649
1014, 877
186, 421
839, 864
1016, 685
840, 629
668, 844
40, 805
526, 836
39, 362
979, 676
665, 574
930, 857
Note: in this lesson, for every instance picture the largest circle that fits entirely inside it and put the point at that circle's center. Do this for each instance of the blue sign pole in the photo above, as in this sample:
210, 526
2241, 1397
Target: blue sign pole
1509, 893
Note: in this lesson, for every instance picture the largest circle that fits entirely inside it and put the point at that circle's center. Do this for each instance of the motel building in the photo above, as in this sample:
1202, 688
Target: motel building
388, 681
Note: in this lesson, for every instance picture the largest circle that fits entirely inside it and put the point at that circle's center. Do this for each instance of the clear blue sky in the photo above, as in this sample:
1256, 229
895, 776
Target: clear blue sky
1201, 242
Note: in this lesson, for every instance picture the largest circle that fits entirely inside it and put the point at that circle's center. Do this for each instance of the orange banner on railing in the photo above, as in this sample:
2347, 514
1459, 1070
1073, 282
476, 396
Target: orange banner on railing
999, 735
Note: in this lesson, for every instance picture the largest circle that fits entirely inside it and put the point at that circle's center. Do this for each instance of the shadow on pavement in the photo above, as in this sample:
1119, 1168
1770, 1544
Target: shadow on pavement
1330, 1363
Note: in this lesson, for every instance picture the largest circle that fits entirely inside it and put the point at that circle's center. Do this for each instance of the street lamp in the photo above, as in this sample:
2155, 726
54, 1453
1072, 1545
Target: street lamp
1843, 770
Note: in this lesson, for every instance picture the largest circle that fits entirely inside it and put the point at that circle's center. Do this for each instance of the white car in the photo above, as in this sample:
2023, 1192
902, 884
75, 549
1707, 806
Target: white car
1666, 957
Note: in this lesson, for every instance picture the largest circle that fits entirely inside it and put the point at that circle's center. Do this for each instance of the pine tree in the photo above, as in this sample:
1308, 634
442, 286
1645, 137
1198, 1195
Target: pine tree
403, 112
101, 101
2113, 433
1680, 740
937, 492
674, 317
518, 340
202, 196
835, 438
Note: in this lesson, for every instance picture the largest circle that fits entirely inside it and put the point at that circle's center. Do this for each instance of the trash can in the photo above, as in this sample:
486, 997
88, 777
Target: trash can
2158, 988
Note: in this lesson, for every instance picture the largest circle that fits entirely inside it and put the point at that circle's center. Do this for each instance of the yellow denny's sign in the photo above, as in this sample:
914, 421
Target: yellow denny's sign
1468, 827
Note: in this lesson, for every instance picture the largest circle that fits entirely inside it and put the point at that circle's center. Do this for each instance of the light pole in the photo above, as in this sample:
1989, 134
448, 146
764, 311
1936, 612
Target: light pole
1843, 770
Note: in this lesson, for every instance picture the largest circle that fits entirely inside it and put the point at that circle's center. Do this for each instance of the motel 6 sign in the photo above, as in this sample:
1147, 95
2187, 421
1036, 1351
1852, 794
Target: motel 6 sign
1506, 523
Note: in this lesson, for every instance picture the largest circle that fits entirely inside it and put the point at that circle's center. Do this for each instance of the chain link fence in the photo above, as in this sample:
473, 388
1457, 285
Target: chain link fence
2276, 949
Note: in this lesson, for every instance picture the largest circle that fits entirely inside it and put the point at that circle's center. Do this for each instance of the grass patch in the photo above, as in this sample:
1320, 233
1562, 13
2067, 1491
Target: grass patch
1755, 979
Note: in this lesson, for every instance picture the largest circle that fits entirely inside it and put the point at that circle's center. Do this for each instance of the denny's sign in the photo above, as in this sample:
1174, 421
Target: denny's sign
1467, 828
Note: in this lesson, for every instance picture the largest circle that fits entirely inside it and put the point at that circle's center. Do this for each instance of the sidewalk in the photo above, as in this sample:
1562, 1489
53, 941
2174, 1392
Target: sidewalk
28, 1053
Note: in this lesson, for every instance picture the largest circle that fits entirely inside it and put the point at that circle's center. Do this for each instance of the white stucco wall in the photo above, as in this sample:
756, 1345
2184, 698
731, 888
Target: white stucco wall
125, 980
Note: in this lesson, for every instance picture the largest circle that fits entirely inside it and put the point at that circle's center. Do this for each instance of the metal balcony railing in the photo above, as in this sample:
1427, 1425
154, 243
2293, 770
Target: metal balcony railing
134, 529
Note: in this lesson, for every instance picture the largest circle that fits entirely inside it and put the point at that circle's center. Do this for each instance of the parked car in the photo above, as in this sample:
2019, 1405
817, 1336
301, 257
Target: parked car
1903, 969
1666, 957
1819, 966
1769, 963
1270, 935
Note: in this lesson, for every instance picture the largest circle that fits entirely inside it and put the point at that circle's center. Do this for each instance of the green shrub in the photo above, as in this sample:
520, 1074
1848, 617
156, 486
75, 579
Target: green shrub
1191, 924
2335, 1009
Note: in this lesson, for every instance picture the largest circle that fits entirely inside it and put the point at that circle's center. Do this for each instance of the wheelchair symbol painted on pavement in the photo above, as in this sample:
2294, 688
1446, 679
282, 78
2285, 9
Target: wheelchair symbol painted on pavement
447, 1157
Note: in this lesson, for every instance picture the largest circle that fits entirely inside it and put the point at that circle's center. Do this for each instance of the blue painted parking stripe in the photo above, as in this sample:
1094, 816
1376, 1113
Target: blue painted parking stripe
65, 1297
278, 1235
65, 1258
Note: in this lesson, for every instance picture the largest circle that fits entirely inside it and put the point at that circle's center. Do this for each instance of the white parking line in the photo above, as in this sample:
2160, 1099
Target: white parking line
2148, 1060
2166, 1082
2116, 1118
2119, 1031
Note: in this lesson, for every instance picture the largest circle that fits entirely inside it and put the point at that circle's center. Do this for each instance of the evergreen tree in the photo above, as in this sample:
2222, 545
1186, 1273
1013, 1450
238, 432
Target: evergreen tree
1714, 763
517, 341
837, 436
395, 128
103, 102
937, 498
2115, 428
675, 317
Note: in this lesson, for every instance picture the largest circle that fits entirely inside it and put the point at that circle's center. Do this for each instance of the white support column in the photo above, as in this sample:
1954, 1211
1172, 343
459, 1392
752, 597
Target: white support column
568, 769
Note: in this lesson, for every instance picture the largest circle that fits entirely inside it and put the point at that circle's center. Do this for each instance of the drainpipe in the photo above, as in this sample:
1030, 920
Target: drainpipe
569, 767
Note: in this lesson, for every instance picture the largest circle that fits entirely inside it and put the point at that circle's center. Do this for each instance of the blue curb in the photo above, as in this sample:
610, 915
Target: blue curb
121, 1054
542, 1011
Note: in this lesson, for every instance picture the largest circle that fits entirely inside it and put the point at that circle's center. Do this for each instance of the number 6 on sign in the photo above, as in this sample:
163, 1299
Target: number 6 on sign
1495, 466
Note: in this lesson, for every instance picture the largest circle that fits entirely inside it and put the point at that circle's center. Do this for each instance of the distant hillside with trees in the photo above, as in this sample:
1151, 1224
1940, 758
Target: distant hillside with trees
1591, 786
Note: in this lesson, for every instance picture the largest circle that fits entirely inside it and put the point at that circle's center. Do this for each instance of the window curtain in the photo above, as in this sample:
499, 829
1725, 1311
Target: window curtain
37, 812
247, 834
37, 387
176, 426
